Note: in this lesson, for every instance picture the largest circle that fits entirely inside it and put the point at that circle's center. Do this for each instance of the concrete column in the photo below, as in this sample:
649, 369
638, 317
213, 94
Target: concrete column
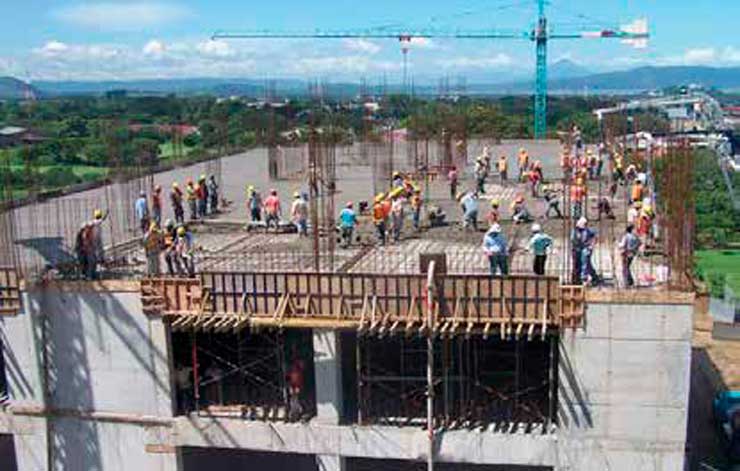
327, 361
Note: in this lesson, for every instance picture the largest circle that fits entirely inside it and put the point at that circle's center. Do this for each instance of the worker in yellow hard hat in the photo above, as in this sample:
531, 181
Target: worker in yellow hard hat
380, 215
185, 250
153, 244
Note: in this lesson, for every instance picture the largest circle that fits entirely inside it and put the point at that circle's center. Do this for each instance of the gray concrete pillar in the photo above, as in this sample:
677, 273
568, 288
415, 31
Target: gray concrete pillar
327, 361
330, 463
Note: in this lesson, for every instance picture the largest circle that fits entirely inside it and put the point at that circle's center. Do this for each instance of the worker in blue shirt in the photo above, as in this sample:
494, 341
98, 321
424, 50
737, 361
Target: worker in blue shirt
583, 241
469, 204
496, 249
141, 210
347, 223
539, 244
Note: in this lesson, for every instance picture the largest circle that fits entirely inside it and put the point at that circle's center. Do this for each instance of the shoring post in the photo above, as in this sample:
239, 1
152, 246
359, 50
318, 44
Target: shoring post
430, 365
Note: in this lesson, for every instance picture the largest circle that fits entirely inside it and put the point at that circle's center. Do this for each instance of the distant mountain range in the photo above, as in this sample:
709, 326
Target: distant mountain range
563, 77
14, 89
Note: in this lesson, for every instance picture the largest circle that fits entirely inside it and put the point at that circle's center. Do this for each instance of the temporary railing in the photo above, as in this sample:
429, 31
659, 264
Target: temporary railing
10, 296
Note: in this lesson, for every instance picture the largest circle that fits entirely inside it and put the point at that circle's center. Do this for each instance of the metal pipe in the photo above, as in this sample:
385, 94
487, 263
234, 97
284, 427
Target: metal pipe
430, 365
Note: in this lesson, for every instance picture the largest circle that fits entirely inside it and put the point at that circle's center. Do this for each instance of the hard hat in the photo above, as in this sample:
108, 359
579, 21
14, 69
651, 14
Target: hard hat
379, 197
181, 231
396, 174
152, 225
519, 199
175, 185
521, 149
647, 208
581, 224
460, 196
495, 203
349, 204
296, 194
168, 223
189, 181
158, 188
638, 204
142, 193
495, 228
202, 177
98, 214
536, 227
579, 181
545, 188
273, 191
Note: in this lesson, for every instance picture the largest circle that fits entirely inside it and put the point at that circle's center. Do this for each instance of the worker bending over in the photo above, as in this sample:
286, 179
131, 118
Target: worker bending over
469, 204
496, 249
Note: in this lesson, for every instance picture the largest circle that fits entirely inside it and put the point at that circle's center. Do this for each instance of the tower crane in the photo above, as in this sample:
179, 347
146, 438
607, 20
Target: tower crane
635, 34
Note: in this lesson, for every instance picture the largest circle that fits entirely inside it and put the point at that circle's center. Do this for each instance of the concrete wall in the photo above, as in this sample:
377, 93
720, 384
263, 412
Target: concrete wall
624, 388
623, 395
108, 373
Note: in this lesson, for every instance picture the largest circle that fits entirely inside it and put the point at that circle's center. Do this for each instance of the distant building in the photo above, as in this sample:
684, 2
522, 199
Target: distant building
181, 129
11, 136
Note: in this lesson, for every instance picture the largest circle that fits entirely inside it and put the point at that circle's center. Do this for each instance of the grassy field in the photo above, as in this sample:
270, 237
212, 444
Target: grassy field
167, 151
718, 264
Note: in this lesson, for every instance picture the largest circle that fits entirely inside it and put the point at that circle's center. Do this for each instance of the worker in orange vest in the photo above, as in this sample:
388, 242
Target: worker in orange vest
637, 191
380, 215
577, 198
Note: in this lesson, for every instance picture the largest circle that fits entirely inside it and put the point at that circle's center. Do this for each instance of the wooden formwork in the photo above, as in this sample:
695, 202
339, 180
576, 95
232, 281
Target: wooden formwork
10, 294
369, 303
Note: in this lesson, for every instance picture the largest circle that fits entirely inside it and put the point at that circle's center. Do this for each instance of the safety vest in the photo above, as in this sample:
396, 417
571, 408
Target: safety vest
502, 164
577, 192
190, 192
636, 192
378, 213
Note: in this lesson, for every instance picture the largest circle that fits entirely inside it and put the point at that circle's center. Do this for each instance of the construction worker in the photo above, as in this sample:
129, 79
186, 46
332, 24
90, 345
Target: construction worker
583, 241
600, 160
565, 163
185, 250
452, 178
436, 216
535, 177
397, 180
539, 244
201, 193
94, 243
416, 203
605, 208
212, 187
380, 216
192, 199
578, 198
497, 251
153, 242
254, 204
552, 202
397, 216
637, 191
347, 223
503, 168
634, 212
494, 216
141, 210
628, 247
519, 212
272, 209
480, 175
631, 173
576, 138
644, 222
157, 204
618, 169
523, 162
469, 204
299, 214
168, 243
83, 248
593, 163
176, 201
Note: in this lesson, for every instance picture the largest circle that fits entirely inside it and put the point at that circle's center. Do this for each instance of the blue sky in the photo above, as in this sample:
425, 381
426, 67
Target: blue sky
92, 40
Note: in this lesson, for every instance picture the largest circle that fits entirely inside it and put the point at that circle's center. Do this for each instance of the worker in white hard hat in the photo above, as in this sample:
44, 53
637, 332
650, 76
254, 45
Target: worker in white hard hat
299, 214
583, 241
497, 250
539, 244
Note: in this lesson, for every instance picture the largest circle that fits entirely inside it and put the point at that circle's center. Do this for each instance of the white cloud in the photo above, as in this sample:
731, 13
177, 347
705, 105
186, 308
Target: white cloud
422, 43
341, 65
498, 60
361, 45
154, 48
704, 55
215, 48
131, 16
730, 55
52, 48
